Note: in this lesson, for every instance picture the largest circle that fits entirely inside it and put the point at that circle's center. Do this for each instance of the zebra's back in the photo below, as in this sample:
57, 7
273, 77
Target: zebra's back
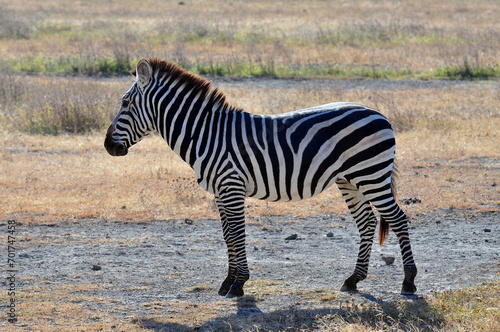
297, 155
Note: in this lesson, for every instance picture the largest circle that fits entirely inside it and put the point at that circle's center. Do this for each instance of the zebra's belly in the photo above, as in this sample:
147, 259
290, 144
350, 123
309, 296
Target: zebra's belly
287, 192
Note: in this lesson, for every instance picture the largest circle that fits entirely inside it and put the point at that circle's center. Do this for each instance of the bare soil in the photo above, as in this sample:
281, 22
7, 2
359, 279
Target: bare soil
185, 261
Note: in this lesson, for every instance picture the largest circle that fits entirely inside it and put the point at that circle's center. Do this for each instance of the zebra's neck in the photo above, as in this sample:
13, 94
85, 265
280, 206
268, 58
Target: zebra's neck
189, 118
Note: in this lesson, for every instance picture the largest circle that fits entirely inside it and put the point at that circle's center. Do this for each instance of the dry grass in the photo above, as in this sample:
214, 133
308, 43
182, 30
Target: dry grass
470, 309
48, 308
44, 105
414, 37
444, 135
59, 308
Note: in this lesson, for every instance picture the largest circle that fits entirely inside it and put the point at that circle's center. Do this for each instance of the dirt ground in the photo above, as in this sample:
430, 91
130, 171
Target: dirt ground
185, 261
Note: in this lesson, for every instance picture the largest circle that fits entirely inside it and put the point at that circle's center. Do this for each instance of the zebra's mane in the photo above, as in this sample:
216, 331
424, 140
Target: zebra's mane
193, 82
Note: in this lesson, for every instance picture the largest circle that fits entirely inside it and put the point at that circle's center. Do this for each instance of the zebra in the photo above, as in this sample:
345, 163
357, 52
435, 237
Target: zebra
283, 157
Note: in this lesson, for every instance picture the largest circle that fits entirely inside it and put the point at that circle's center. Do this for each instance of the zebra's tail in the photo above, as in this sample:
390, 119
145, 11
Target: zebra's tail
383, 231
384, 225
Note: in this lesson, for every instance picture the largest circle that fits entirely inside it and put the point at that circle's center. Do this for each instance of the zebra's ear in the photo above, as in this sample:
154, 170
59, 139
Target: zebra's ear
143, 73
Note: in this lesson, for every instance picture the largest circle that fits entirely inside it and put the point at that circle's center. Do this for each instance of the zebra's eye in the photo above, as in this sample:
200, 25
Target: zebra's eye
125, 103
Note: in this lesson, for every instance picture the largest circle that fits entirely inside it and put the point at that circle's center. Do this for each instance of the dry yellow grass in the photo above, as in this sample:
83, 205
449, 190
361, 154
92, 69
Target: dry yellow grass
419, 35
447, 153
58, 309
47, 308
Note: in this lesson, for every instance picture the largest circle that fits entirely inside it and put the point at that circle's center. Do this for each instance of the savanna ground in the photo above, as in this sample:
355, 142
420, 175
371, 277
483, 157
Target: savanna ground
431, 67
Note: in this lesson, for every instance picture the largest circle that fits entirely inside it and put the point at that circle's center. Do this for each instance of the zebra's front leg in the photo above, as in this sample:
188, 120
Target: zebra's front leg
232, 266
231, 204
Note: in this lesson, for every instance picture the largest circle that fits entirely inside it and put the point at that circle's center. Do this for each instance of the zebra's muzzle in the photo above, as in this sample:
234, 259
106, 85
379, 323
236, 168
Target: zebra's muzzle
114, 148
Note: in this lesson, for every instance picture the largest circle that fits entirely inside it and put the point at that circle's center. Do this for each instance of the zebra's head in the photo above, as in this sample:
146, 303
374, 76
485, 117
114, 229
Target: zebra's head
134, 120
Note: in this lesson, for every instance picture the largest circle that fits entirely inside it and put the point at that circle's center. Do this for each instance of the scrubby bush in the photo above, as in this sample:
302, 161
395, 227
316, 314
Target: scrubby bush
50, 106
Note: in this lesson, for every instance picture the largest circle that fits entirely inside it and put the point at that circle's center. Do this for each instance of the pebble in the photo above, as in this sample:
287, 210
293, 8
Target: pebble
388, 259
291, 237
329, 234
411, 200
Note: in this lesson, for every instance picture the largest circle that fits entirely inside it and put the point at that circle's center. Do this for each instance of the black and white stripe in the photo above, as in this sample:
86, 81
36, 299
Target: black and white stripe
285, 157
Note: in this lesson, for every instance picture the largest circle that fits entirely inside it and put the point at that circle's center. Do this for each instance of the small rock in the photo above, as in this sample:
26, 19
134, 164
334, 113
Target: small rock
96, 268
329, 234
291, 237
411, 200
255, 248
188, 221
388, 259
123, 207
487, 230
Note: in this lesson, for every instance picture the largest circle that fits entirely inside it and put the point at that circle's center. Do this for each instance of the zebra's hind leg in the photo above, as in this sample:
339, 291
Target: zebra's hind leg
231, 205
366, 221
391, 213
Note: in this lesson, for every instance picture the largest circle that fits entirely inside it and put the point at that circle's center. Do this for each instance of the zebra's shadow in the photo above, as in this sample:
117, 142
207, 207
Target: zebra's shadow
247, 306
377, 300
249, 316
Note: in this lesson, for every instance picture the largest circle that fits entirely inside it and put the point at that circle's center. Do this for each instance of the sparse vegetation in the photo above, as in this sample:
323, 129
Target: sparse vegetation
469, 71
471, 309
308, 39
54, 106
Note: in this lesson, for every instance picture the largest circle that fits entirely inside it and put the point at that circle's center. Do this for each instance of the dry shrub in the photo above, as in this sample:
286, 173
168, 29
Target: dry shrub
54, 106
377, 40
470, 309
16, 26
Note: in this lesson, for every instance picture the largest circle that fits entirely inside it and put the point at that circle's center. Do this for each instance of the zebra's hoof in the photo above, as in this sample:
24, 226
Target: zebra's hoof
345, 288
349, 285
235, 291
226, 286
408, 288
223, 291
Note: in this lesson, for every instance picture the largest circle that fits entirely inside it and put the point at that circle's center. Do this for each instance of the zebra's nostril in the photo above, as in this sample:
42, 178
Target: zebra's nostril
114, 148
120, 150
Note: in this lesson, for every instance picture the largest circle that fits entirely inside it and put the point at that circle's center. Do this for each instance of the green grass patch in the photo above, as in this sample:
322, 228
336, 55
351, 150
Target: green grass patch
120, 64
469, 71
